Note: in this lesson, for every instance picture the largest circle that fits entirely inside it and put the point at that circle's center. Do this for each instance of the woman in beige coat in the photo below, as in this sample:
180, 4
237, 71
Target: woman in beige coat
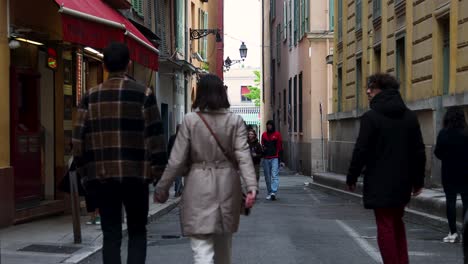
211, 202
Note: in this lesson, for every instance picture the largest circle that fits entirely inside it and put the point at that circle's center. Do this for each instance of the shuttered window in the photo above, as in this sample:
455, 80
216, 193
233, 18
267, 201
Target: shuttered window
138, 6
296, 21
180, 25
285, 21
160, 11
278, 43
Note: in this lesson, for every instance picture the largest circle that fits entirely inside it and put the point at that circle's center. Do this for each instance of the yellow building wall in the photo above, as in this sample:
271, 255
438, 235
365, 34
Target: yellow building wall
194, 23
4, 89
422, 44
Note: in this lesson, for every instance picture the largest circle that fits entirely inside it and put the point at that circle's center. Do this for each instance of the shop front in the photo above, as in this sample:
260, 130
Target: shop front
58, 58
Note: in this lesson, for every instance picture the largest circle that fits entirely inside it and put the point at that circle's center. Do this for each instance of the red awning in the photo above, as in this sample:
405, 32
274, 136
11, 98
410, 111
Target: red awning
93, 23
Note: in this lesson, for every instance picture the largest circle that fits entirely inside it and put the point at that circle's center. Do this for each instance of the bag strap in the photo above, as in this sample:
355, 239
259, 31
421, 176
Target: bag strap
226, 153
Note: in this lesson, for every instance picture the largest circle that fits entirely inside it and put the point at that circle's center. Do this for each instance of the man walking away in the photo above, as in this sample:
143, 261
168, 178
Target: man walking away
273, 151
391, 149
118, 144
178, 185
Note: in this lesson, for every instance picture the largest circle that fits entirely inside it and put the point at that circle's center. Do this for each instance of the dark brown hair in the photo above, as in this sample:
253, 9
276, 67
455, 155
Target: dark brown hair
211, 94
382, 81
455, 118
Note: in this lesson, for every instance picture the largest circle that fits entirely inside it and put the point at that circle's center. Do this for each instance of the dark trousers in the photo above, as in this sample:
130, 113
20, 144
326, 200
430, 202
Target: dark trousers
391, 235
133, 194
451, 206
178, 185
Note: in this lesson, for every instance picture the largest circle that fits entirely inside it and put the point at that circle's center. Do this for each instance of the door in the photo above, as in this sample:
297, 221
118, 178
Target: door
26, 135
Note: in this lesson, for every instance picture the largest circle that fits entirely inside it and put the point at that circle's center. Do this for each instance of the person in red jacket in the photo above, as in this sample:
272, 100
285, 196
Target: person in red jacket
272, 143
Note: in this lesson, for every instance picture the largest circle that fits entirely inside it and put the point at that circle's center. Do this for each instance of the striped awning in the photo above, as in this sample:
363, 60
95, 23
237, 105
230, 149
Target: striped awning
251, 119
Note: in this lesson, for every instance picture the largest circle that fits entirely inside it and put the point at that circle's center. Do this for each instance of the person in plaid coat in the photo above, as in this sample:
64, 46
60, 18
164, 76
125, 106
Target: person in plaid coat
118, 145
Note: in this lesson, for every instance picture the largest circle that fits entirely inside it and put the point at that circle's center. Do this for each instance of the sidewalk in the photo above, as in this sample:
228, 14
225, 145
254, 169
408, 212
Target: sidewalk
429, 206
50, 241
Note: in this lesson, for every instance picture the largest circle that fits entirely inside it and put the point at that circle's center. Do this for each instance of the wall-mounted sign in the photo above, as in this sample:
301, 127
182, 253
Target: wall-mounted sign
51, 58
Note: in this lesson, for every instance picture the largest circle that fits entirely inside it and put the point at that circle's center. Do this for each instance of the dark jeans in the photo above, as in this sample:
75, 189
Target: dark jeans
178, 185
391, 235
133, 194
451, 206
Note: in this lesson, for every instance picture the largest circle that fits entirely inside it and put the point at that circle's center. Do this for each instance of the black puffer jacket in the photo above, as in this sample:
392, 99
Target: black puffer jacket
452, 150
391, 149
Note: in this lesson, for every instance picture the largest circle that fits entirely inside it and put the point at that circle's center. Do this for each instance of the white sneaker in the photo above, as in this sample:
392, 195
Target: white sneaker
273, 196
452, 238
268, 197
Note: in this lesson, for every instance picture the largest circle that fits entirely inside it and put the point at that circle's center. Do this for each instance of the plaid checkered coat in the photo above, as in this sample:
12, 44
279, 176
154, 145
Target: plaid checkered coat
119, 132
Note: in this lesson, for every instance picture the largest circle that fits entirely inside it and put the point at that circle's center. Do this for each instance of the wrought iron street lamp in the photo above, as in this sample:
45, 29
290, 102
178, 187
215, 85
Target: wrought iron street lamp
243, 54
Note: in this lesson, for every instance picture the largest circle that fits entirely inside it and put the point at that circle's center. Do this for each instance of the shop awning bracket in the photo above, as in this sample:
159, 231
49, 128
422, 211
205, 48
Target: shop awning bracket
139, 40
71, 12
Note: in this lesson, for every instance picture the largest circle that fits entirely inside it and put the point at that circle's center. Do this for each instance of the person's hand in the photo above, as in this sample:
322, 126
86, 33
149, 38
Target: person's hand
250, 199
160, 196
417, 192
352, 187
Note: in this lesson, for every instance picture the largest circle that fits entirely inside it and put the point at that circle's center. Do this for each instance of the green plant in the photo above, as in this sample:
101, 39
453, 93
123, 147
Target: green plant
254, 94
205, 66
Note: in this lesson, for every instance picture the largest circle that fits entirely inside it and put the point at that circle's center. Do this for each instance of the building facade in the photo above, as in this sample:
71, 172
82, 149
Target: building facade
238, 81
423, 43
297, 79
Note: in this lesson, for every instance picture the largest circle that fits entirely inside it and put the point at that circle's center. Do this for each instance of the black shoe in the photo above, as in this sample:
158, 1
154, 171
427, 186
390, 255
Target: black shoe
273, 196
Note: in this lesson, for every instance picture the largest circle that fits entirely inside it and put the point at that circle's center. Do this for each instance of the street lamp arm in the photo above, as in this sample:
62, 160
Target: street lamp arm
201, 33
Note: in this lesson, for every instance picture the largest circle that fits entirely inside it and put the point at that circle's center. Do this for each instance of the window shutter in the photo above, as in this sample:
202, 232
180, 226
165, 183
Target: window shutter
303, 21
149, 14
296, 21
307, 15
138, 6
290, 24
285, 21
180, 29
200, 26
331, 14
278, 43
205, 41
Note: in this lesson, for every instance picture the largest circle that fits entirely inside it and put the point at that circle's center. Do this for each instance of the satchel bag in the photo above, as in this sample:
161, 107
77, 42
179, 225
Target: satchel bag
230, 158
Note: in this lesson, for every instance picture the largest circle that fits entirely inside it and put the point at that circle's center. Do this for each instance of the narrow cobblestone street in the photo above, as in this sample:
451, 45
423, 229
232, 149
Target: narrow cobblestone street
305, 225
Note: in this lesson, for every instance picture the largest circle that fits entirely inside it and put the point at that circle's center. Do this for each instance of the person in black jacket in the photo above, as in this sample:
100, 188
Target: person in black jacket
390, 149
452, 150
256, 150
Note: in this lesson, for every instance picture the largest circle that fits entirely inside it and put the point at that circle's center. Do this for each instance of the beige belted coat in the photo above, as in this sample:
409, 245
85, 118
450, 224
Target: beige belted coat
211, 201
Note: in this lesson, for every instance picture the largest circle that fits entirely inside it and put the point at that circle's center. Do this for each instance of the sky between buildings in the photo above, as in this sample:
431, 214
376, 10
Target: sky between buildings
243, 22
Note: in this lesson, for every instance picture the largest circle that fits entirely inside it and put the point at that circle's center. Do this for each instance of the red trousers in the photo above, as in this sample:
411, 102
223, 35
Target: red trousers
391, 235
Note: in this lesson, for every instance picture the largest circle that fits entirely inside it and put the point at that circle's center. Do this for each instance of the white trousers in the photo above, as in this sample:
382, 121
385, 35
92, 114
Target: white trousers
211, 249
